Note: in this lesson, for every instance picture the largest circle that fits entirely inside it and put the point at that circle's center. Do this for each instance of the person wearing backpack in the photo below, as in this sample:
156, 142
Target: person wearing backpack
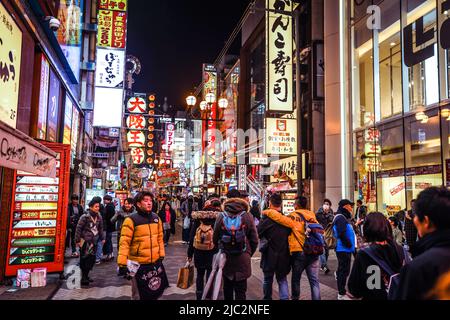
306, 245
325, 216
345, 246
431, 254
382, 252
201, 244
235, 235
274, 247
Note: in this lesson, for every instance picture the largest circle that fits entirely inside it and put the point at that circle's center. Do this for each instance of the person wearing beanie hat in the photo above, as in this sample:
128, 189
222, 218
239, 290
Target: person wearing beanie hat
238, 267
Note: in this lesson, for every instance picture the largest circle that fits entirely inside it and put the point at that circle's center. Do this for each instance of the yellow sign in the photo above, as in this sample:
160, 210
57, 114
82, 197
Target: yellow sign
38, 206
10, 58
116, 5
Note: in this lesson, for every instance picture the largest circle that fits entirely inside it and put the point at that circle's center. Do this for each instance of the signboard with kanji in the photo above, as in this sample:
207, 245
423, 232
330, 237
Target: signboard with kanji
115, 5
111, 29
281, 136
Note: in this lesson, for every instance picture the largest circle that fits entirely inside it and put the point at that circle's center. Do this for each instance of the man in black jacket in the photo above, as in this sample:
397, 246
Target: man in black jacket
275, 255
107, 214
431, 254
74, 214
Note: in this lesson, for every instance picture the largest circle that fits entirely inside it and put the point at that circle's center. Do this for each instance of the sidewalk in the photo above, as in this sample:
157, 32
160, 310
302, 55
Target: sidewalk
45, 293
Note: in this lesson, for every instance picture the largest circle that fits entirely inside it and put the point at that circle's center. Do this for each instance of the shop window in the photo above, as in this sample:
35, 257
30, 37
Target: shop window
423, 152
391, 196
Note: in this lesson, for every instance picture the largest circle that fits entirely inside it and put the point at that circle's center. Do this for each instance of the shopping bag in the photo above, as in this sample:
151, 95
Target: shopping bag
152, 281
185, 276
186, 223
214, 283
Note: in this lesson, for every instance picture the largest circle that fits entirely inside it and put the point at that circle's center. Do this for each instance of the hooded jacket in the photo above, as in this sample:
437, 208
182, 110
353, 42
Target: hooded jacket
344, 232
431, 260
276, 257
86, 226
238, 267
202, 259
325, 219
141, 239
295, 223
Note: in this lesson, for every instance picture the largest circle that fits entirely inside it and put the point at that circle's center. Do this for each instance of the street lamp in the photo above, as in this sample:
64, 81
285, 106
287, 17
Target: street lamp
191, 101
203, 106
210, 98
223, 103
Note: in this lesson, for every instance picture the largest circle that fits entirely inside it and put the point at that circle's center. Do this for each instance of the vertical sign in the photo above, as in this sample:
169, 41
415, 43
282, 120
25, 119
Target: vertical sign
242, 177
68, 110
10, 59
39, 217
43, 99
53, 108
279, 53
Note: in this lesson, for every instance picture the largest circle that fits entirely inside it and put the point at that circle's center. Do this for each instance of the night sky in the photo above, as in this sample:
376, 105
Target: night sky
172, 38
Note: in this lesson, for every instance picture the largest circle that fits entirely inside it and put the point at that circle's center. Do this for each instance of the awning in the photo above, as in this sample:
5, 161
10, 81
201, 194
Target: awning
20, 152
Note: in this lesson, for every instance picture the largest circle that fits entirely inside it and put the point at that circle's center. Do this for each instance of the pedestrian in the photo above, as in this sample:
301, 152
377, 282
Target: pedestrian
74, 214
119, 217
256, 211
108, 213
187, 208
89, 233
300, 259
325, 216
168, 217
235, 234
410, 228
99, 253
345, 246
201, 244
396, 232
142, 242
401, 220
274, 247
360, 216
431, 254
383, 252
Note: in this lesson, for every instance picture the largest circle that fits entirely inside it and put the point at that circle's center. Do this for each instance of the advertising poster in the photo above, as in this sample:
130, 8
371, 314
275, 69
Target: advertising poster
167, 177
39, 218
116, 5
286, 167
74, 136
68, 121
110, 68
10, 60
281, 136
91, 193
43, 98
53, 108
111, 29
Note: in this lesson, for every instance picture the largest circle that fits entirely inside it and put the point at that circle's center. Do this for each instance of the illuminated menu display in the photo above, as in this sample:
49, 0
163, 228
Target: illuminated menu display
38, 219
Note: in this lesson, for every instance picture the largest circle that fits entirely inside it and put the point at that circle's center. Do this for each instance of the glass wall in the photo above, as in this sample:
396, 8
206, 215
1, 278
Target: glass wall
401, 137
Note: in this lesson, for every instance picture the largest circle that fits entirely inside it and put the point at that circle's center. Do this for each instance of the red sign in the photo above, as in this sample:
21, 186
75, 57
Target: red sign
117, 5
397, 189
53, 259
111, 29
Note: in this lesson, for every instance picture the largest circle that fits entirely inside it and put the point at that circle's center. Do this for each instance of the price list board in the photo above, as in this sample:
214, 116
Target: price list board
39, 217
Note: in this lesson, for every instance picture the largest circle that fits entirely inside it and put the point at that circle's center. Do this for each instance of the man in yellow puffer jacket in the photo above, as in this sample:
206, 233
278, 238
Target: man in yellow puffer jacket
141, 238
299, 260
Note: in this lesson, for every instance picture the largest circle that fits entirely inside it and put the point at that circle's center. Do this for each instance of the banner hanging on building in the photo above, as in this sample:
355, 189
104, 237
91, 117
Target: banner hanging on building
279, 53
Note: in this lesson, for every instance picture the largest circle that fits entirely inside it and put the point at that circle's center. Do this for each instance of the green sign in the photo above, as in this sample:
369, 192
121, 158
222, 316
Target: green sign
31, 251
14, 261
32, 242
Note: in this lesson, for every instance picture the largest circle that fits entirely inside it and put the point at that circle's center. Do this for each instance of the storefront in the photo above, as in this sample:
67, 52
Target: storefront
401, 112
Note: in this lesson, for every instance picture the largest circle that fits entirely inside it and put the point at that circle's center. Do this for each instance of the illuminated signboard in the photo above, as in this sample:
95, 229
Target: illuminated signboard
108, 107
43, 98
116, 5
279, 53
281, 136
137, 105
138, 156
136, 122
110, 68
10, 59
136, 139
111, 29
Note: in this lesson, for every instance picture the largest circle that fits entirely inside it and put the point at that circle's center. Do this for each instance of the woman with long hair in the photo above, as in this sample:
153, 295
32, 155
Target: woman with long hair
168, 218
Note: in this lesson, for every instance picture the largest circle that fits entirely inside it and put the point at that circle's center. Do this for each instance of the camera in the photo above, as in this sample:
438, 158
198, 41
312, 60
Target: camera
53, 23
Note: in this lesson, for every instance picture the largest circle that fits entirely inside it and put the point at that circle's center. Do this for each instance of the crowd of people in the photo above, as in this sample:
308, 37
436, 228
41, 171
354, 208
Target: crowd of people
401, 257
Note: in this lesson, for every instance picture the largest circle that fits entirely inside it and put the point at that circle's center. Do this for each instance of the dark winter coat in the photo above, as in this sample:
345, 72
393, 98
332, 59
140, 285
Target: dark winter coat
85, 228
392, 254
431, 260
108, 213
120, 217
276, 256
325, 219
410, 232
202, 259
173, 218
72, 218
238, 267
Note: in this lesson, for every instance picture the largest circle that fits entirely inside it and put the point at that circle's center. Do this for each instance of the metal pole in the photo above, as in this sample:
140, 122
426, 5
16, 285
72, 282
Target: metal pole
205, 177
298, 104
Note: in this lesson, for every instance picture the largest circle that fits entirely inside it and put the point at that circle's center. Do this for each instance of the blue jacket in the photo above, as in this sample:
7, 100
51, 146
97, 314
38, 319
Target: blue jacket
343, 232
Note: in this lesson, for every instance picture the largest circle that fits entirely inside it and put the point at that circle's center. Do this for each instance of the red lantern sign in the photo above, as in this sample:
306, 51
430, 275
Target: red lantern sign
138, 156
137, 105
136, 122
136, 139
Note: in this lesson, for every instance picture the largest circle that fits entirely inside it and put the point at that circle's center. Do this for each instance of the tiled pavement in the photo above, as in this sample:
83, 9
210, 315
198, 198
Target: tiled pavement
107, 285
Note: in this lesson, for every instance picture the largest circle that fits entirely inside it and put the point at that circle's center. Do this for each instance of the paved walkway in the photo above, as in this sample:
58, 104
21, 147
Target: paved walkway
107, 285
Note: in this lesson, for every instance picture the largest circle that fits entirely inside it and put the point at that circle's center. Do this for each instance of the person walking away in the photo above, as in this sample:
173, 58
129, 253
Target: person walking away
235, 234
75, 212
382, 252
396, 232
360, 216
431, 254
187, 208
345, 246
325, 216
410, 227
201, 244
108, 214
256, 212
142, 241
168, 217
306, 245
89, 233
119, 217
275, 255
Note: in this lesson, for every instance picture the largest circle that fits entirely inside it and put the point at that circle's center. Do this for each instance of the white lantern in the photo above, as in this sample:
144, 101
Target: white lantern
223, 103
210, 98
203, 105
136, 139
191, 101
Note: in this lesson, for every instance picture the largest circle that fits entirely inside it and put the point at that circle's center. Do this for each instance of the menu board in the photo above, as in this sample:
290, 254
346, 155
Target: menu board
38, 217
